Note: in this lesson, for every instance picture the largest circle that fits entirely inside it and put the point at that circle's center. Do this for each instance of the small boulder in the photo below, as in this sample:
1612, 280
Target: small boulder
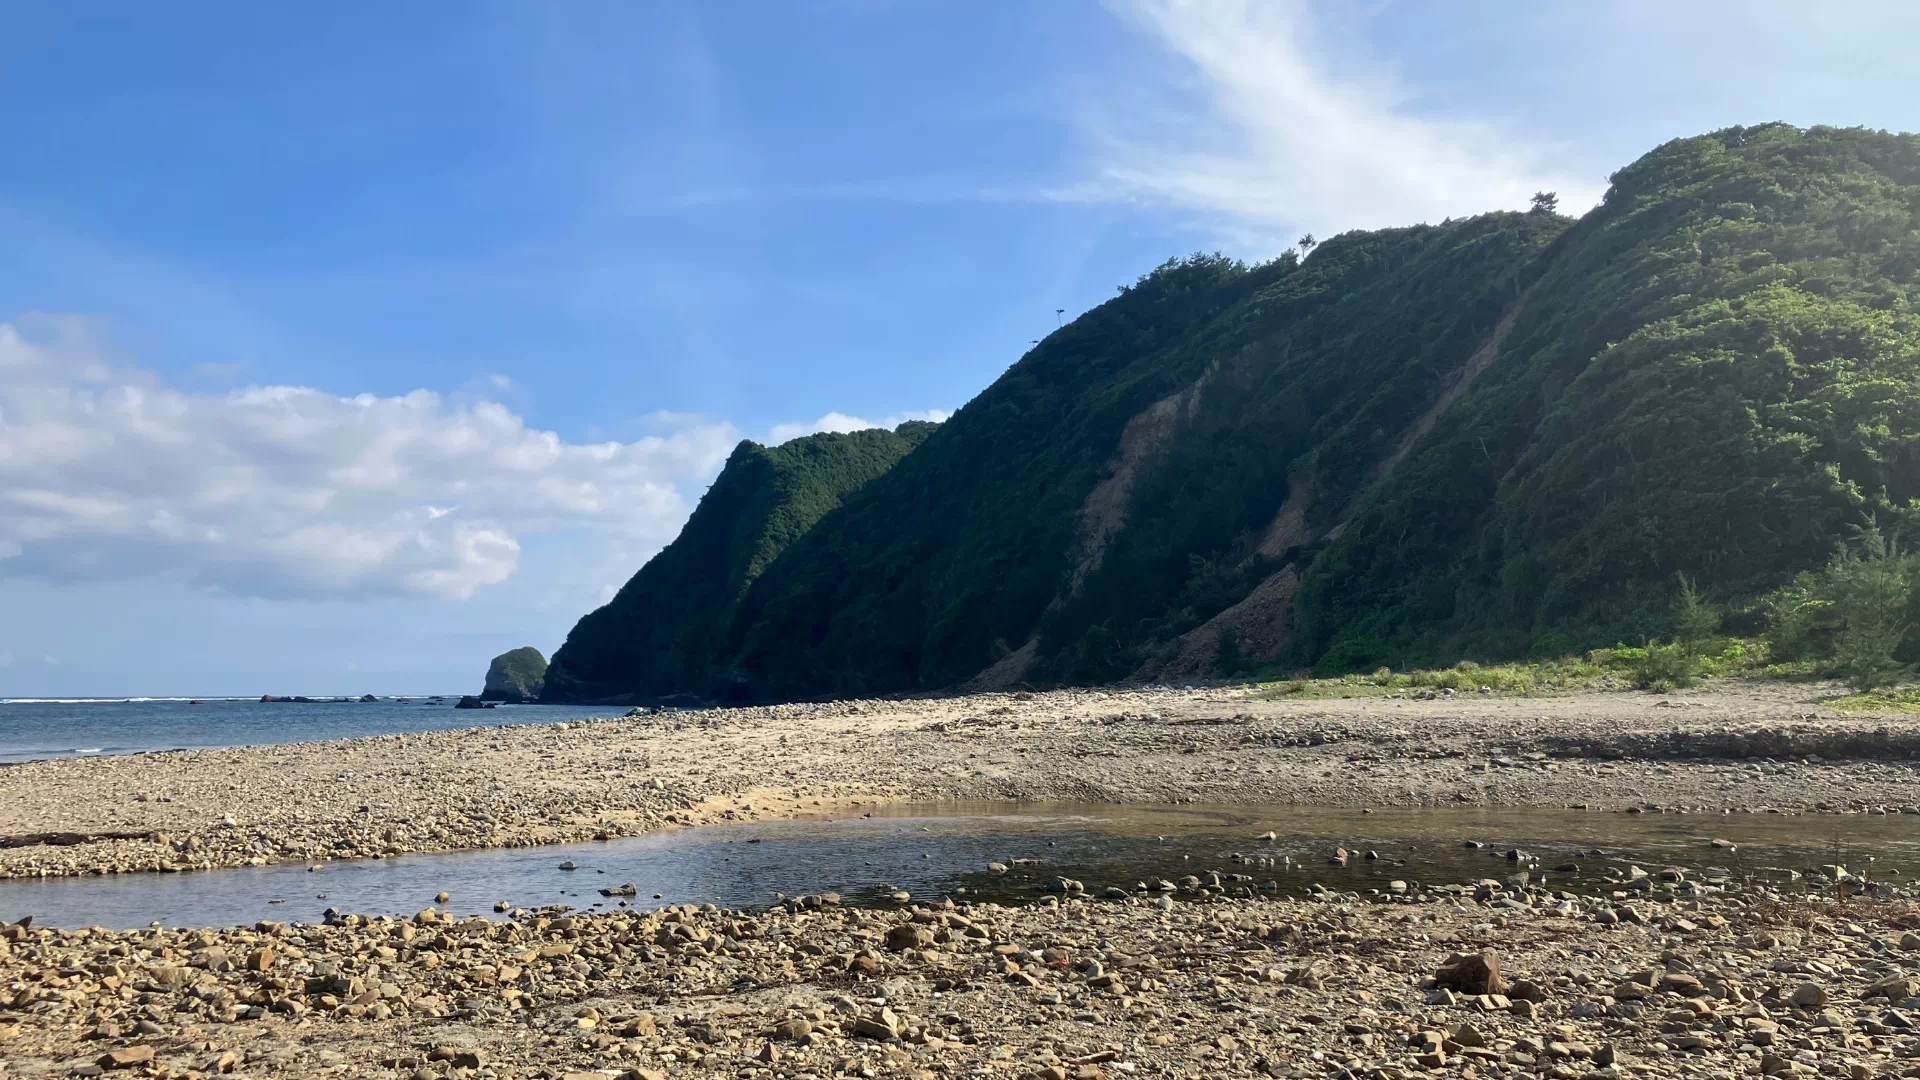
1528, 990
909, 936
1679, 982
881, 1026
1809, 995
1472, 973
126, 1057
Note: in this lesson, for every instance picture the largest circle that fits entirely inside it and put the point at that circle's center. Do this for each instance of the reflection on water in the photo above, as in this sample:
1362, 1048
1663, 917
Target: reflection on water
930, 851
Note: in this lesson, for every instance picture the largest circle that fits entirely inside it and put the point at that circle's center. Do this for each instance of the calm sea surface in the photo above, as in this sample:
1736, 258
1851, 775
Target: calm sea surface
67, 728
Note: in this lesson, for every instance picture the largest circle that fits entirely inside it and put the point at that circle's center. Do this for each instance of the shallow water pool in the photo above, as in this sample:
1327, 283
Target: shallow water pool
936, 850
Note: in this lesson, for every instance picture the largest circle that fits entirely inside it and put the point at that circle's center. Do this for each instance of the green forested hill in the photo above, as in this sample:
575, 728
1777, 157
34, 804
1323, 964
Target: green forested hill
1476, 438
661, 634
1719, 373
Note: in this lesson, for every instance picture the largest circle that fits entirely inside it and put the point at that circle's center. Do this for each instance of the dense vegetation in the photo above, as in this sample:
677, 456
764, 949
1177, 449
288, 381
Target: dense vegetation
1861, 612
515, 675
1485, 439
1716, 375
948, 561
661, 633
1325, 368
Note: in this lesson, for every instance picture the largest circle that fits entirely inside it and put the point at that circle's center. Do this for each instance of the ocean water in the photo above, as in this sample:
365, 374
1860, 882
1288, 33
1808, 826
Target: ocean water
45, 728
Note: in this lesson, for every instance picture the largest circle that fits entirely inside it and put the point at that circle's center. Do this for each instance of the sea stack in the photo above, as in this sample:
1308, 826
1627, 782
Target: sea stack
515, 676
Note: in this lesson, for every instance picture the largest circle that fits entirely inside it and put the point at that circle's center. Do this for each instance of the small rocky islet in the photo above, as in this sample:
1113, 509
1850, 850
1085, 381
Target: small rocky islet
515, 676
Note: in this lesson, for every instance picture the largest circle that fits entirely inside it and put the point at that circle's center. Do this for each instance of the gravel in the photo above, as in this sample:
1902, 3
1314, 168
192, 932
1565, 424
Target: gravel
1731, 747
1483, 978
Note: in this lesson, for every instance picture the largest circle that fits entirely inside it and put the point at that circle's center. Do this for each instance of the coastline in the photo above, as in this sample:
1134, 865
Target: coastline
1726, 747
1672, 974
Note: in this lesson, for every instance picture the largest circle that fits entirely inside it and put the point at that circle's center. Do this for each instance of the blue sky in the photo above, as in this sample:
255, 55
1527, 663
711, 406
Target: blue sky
342, 346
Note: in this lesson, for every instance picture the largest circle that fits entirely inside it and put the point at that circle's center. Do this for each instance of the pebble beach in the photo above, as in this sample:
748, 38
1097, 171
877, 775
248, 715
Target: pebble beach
1741, 748
1666, 973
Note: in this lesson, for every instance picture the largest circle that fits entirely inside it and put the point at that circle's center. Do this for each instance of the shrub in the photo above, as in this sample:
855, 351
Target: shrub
1230, 660
1695, 621
1681, 661
1857, 611
1663, 667
1874, 590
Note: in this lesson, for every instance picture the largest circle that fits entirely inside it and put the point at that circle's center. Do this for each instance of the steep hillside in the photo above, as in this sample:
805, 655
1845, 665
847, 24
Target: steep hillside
1104, 493
1478, 438
1718, 373
660, 634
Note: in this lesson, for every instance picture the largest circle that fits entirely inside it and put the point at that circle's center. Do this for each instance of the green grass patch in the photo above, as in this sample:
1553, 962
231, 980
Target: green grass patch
1601, 669
1890, 699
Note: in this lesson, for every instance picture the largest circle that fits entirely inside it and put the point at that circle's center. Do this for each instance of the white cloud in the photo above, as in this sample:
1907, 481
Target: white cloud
1263, 132
842, 422
107, 472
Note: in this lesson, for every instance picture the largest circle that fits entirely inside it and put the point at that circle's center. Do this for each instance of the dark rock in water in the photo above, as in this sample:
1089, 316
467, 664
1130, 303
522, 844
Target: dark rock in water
515, 676
368, 697
468, 701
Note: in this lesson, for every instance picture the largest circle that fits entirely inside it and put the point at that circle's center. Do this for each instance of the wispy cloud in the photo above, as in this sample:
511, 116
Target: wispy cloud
1264, 126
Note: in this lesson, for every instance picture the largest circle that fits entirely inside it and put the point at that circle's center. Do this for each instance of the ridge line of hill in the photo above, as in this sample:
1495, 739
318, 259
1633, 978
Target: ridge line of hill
1493, 437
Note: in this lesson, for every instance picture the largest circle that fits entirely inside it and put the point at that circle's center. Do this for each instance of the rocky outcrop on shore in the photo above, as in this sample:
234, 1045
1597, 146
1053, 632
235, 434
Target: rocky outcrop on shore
1482, 979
